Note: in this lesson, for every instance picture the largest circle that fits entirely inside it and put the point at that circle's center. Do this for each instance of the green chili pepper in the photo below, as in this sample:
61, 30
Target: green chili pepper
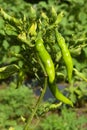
66, 54
45, 59
58, 95
50, 70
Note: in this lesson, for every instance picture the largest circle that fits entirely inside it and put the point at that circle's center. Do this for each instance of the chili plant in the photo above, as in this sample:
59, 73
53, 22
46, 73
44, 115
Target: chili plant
41, 47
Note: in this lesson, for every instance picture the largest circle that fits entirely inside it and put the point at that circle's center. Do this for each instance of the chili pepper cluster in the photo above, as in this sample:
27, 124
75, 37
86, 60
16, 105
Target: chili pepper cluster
49, 65
47, 61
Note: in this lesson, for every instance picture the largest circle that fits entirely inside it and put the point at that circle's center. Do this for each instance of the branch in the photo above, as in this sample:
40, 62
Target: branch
37, 105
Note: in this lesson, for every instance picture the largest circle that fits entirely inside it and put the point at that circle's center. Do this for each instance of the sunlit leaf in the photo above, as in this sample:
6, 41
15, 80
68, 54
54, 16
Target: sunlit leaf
8, 70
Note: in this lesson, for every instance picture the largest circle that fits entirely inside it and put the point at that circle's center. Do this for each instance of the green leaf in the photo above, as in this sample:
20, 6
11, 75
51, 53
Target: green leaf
8, 70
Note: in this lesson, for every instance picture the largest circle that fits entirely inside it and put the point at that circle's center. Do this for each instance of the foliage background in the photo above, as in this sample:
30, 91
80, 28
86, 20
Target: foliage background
74, 29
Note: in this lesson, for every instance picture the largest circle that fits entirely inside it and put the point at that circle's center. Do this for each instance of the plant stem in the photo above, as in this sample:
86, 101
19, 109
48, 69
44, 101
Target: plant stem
37, 105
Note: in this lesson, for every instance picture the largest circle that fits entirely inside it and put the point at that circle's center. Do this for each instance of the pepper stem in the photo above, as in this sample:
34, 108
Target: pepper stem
37, 105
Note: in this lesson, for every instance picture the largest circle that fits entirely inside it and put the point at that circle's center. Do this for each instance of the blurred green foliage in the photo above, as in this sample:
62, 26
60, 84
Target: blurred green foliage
68, 120
15, 104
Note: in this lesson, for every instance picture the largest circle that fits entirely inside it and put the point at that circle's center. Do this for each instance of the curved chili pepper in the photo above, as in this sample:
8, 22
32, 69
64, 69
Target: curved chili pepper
66, 54
46, 59
58, 95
